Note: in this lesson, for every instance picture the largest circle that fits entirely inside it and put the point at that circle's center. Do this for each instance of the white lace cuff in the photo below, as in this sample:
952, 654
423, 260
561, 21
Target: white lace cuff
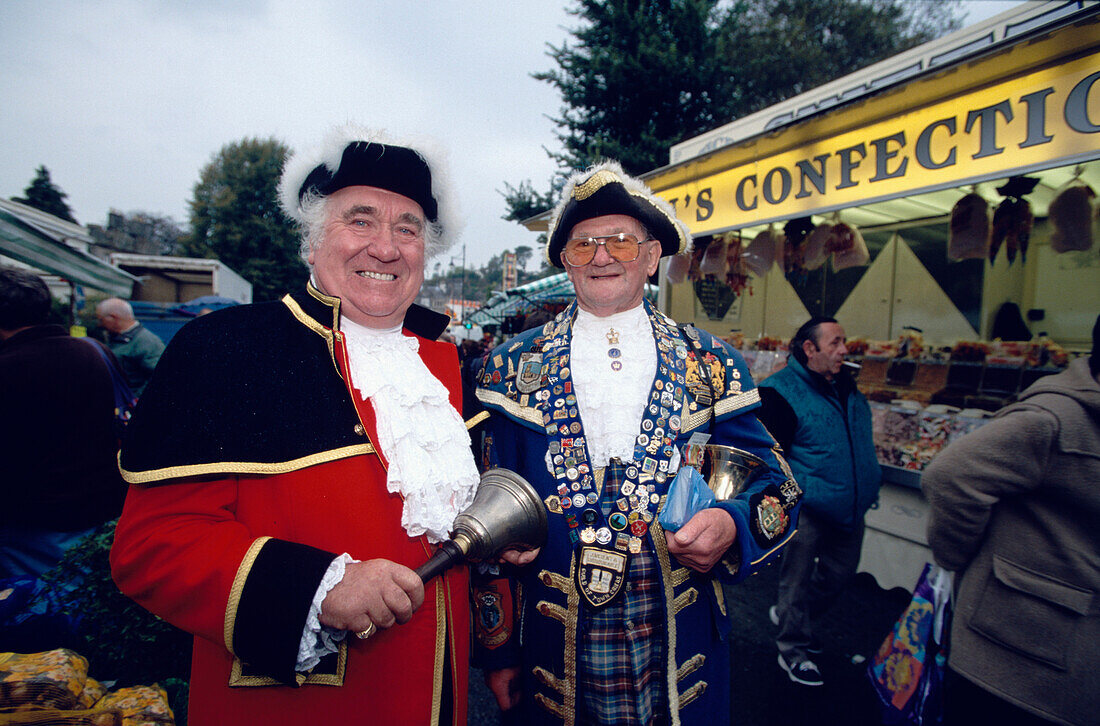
320, 640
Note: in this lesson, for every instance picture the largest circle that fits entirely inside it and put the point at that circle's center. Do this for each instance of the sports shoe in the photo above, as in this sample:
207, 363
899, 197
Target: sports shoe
804, 672
814, 646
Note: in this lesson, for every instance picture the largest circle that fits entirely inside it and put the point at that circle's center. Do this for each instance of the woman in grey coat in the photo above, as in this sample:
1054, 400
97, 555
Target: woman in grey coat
1015, 512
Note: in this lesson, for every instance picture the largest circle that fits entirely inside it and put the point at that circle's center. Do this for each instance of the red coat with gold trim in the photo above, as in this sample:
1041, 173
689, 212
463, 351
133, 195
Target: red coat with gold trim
252, 468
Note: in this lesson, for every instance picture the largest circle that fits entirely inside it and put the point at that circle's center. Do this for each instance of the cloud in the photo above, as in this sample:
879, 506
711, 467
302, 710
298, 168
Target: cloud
125, 101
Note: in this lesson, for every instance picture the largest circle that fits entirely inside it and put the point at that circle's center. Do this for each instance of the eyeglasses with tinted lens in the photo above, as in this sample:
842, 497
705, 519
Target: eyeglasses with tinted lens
622, 247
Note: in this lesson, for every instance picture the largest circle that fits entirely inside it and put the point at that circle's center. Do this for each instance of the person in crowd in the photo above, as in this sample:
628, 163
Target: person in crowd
1013, 511
292, 461
619, 621
57, 440
823, 424
136, 348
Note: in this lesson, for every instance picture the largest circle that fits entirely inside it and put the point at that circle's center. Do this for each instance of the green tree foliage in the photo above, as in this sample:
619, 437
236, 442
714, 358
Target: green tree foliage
781, 48
641, 75
523, 202
235, 217
43, 194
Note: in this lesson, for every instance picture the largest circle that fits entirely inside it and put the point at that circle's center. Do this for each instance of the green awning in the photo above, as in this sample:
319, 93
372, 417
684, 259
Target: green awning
31, 246
528, 298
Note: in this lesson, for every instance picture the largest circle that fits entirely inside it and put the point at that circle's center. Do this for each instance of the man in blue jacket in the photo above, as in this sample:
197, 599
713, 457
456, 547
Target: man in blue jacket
814, 410
620, 622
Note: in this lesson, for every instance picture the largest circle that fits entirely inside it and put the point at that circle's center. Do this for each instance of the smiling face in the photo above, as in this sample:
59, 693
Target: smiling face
827, 355
606, 286
371, 254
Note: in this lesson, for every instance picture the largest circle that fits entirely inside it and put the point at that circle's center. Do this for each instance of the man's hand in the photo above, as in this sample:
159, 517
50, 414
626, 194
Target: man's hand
704, 539
381, 592
504, 684
519, 558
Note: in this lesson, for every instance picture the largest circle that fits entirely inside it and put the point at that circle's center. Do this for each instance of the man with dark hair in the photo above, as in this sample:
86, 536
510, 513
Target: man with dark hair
57, 441
823, 423
1013, 511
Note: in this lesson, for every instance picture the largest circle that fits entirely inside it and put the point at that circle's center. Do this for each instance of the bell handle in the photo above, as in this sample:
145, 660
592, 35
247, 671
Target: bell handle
449, 554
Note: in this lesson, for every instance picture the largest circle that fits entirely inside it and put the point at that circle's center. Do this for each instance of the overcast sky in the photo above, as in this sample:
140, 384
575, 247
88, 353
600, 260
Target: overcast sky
124, 101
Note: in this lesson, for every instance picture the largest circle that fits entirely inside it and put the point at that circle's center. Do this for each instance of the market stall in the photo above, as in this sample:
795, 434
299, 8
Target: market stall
913, 200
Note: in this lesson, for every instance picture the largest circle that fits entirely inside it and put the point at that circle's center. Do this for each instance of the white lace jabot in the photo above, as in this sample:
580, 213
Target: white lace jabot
610, 402
419, 432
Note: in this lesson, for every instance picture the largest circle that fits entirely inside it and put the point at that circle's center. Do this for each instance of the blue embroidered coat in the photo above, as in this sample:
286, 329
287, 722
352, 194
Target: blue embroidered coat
521, 385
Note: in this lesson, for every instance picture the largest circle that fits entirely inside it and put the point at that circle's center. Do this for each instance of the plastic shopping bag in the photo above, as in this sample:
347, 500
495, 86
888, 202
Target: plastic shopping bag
688, 495
907, 671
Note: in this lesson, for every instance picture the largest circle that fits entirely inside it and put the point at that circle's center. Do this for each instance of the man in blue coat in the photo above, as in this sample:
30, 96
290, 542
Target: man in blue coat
823, 423
616, 620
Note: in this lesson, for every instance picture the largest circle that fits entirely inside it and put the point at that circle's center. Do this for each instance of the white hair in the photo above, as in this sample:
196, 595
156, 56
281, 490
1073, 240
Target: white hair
309, 211
117, 307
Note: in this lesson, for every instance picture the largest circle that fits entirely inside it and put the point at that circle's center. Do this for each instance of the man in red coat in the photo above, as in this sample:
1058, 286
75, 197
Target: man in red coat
291, 462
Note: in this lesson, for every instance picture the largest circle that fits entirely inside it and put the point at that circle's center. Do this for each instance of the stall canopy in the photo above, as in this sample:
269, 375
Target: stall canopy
886, 146
25, 236
528, 298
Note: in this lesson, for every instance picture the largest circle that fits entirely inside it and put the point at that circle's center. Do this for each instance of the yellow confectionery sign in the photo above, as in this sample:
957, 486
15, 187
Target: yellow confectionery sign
1045, 118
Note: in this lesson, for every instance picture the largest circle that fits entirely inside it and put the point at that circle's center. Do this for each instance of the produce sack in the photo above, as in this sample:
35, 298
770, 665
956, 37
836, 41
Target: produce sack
907, 671
1072, 214
969, 235
51, 679
687, 496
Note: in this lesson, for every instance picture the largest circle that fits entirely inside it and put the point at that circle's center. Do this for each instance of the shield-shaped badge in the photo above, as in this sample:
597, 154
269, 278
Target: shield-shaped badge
529, 376
600, 574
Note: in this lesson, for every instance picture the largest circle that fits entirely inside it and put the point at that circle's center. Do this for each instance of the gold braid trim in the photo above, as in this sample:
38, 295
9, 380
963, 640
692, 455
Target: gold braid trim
512, 408
558, 709
553, 611
238, 587
237, 679
719, 595
548, 679
680, 576
567, 684
244, 467
476, 420
306, 320
685, 598
691, 665
440, 651
594, 183
721, 408
693, 693
768, 554
657, 534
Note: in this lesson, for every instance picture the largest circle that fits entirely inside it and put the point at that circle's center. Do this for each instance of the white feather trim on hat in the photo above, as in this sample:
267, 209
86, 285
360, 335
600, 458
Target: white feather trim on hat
633, 185
330, 151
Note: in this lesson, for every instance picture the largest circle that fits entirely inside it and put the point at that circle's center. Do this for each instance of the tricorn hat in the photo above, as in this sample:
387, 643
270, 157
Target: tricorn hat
352, 155
606, 189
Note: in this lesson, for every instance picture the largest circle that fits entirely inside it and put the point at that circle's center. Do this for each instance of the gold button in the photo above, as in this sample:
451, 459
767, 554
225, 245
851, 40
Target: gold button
360, 430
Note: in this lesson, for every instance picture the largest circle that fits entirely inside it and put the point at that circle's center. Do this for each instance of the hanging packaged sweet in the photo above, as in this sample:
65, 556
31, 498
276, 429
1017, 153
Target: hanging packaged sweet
969, 229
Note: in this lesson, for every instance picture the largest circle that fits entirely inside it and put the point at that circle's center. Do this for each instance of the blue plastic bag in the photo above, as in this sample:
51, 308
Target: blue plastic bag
687, 496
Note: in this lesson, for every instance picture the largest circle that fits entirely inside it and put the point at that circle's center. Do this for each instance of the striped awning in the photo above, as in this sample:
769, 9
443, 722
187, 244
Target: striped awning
32, 246
530, 297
